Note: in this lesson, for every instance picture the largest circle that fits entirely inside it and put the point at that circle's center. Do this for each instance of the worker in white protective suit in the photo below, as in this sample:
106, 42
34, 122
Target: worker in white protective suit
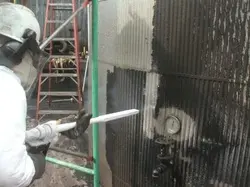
21, 161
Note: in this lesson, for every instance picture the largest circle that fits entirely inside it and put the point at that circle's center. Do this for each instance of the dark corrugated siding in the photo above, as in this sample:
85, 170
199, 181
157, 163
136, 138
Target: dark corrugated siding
217, 149
125, 91
201, 53
201, 48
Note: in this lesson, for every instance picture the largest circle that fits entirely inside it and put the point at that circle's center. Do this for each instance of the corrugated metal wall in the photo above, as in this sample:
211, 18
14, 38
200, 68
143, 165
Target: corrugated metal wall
186, 58
39, 8
204, 57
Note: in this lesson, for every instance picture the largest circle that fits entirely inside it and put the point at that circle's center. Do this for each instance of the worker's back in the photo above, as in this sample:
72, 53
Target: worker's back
16, 167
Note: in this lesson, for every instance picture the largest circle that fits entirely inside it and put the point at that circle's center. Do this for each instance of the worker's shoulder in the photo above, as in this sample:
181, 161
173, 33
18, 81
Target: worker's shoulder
10, 84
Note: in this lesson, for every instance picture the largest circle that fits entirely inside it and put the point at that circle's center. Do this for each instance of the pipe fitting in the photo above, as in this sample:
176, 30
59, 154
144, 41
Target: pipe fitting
159, 170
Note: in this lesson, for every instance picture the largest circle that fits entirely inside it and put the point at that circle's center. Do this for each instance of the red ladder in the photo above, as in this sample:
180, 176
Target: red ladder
56, 66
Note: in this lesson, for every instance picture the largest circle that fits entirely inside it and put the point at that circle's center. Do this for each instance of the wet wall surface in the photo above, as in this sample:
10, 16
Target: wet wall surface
125, 91
200, 75
201, 49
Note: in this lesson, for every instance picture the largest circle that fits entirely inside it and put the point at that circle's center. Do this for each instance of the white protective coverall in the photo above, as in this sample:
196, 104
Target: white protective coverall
20, 62
16, 167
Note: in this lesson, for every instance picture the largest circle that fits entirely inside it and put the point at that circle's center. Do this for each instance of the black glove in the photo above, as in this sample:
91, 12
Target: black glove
39, 164
37, 155
39, 149
82, 123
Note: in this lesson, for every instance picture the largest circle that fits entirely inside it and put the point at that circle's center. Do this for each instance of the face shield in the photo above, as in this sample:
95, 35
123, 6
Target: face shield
28, 60
28, 70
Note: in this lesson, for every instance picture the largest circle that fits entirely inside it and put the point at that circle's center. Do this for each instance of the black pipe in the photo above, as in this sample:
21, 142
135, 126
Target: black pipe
77, 154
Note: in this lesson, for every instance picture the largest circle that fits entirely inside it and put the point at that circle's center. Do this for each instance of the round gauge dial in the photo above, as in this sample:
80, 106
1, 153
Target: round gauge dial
173, 124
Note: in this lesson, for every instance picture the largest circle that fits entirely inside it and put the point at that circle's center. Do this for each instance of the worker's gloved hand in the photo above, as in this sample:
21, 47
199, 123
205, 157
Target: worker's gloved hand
41, 135
37, 141
82, 123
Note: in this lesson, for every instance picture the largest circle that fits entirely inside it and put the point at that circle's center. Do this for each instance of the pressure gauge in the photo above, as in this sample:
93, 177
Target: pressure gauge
173, 124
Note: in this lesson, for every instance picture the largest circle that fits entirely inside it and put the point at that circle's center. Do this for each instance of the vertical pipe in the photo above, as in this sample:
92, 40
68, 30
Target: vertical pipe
95, 91
77, 59
85, 74
51, 16
88, 58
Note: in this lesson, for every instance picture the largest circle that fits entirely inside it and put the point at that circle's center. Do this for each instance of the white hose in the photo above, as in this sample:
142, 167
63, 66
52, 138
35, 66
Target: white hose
46, 132
99, 119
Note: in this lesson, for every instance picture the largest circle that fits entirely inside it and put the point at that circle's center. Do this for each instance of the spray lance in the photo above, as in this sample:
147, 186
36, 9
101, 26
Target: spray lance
44, 134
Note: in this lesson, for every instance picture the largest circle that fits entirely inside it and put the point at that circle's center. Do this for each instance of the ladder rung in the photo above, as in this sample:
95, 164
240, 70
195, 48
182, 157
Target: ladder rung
59, 74
63, 39
55, 21
61, 4
62, 56
46, 112
59, 93
62, 8
63, 68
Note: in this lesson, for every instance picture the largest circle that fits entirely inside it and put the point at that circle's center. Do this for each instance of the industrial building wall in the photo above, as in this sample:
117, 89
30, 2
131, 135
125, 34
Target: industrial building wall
186, 59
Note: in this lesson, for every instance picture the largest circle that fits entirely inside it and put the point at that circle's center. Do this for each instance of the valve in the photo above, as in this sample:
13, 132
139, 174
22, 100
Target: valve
159, 170
165, 157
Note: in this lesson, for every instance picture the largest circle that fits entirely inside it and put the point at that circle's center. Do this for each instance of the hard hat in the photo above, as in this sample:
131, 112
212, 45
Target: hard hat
15, 18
